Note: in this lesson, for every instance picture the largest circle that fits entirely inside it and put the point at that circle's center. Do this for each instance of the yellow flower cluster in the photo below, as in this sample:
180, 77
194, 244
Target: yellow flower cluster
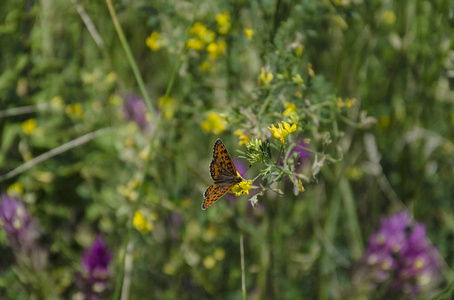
348, 103
265, 78
129, 191
282, 132
75, 111
243, 137
167, 107
142, 221
210, 261
249, 33
241, 188
224, 25
29, 126
154, 41
214, 123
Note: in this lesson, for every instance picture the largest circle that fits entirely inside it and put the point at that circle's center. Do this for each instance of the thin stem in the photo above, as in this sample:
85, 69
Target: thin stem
51, 153
128, 270
131, 60
243, 275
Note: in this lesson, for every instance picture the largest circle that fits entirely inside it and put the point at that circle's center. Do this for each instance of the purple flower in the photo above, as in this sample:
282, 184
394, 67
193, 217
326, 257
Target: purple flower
15, 220
135, 109
401, 252
95, 269
304, 155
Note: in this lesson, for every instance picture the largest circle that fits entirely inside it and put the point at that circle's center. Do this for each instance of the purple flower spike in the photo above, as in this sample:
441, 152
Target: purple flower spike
95, 270
97, 259
135, 109
401, 252
20, 228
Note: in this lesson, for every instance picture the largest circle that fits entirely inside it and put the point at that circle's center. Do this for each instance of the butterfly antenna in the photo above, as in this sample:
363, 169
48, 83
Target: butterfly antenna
246, 170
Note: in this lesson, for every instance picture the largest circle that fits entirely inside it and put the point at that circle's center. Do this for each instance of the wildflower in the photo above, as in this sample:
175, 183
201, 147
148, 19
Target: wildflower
56, 103
249, 33
129, 191
281, 133
209, 262
348, 103
291, 109
310, 70
16, 189
219, 254
257, 151
215, 50
141, 223
265, 77
135, 109
299, 50
303, 154
214, 123
29, 126
243, 137
167, 106
75, 111
205, 66
111, 77
195, 44
223, 22
95, 272
153, 41
297, 79
21, 230
198, 29
241, 188
389, 17
400, 250
300, 186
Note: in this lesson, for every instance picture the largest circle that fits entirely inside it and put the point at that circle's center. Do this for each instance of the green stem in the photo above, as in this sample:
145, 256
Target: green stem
131, 60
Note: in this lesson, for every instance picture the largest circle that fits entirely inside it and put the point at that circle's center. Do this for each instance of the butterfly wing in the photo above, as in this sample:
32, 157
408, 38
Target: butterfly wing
221, 165
214, 192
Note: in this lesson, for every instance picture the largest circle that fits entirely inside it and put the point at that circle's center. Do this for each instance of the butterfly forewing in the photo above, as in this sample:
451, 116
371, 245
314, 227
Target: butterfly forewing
221, 160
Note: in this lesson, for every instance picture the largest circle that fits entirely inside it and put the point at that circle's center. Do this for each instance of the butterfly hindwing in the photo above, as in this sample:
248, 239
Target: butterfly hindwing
214, 192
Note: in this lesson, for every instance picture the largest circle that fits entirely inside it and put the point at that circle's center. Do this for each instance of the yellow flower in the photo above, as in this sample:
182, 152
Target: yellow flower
219, 254
75, 111
129, 190
153, 42
310, 70
249, 33
29, 126
241, 188
214, 123
281, 133
265, 78
209, 262
299, 50
389, 17
167, 106
195, 44
291, 109
223, 22
141, 223
56, 103
243, 137
348, 103
16, 189
215, 50
300, 186
198, 29
297, 79
205, 66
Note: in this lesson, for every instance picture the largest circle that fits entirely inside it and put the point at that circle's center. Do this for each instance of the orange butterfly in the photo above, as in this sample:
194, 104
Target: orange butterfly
223, 172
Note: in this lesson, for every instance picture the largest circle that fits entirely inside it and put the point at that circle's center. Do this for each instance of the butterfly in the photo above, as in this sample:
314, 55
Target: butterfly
223, 172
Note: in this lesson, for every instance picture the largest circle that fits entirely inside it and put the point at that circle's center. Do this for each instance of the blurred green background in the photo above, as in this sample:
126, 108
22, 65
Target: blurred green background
65, 80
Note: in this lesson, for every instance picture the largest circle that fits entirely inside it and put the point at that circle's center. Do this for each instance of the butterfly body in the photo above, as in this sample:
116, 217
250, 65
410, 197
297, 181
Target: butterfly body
223, 172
